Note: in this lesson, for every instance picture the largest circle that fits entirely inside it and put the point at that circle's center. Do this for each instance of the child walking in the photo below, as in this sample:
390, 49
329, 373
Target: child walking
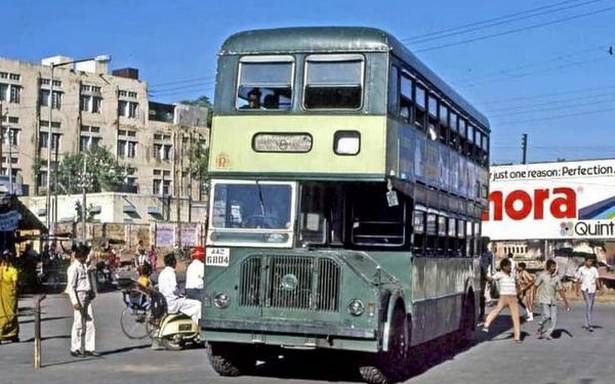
548, 284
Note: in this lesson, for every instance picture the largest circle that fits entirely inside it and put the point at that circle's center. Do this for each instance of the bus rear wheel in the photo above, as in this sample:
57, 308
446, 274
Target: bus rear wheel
468, 319
391, 366
228, 359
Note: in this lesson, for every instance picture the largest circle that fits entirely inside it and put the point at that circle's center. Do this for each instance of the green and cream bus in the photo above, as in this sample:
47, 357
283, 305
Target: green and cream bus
347, 184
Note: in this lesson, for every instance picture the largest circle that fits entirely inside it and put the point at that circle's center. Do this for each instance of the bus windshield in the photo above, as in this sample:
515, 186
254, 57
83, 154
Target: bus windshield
252, 212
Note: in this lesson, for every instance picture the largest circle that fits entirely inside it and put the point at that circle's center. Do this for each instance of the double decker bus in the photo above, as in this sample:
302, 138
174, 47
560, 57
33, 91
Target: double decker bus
347, 184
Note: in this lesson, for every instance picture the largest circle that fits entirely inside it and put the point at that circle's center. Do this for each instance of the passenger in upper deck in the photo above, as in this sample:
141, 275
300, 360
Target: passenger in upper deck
254, 99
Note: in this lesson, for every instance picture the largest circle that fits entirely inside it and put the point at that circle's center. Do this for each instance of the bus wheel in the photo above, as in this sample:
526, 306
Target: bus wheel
468, 319
230, 360
389, 367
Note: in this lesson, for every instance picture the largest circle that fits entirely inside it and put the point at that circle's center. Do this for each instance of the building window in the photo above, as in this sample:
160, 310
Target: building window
15, 94
126, 148
14, 76
128, 109
90, 104
4, 75
162, 151
45, 124
42, 178
86, 143
10, 119
11, 136
55, 140
56, 100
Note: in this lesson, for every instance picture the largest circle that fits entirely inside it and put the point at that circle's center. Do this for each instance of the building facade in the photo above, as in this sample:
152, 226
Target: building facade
92, 107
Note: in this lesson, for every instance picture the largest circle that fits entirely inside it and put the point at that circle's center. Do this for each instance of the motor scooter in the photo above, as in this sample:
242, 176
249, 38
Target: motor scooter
176, 331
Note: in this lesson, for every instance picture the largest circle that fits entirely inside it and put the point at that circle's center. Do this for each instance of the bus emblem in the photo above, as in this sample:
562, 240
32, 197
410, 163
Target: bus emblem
222, 161
289, 282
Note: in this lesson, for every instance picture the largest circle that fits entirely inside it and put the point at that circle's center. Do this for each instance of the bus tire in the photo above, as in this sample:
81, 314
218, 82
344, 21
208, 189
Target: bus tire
391, 366
230, 360
468, 319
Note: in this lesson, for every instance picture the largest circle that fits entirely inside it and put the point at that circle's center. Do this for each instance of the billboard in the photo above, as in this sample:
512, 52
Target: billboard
563, 200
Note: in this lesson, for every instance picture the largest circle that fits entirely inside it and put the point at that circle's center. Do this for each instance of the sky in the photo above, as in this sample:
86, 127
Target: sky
540, 67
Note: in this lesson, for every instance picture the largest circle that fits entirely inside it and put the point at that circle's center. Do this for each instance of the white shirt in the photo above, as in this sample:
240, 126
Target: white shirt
194, 275
167, 285
78, 280
588, 277
507, 283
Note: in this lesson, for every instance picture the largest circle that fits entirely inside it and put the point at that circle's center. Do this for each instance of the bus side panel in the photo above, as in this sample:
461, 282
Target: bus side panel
439, 287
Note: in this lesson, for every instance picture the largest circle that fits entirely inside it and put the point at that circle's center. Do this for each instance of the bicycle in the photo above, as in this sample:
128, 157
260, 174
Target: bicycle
137, 320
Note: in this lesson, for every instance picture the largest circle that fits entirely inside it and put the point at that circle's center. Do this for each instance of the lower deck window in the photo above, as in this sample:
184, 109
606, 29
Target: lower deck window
375, 223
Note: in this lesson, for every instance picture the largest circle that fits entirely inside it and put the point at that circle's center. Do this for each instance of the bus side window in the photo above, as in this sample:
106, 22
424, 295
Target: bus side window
394, 92
442, 233
461, 245
418, 222
432, 232
432, 105
420, 97
454, 135
477, 238
452, 237
443, 118
406, 105
463, 145
469, 239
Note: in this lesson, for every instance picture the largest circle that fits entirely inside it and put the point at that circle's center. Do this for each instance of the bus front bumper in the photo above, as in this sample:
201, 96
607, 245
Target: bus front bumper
290, 335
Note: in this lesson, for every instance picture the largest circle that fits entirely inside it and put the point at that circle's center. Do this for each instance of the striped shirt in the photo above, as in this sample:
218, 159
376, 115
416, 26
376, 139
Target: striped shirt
507, 283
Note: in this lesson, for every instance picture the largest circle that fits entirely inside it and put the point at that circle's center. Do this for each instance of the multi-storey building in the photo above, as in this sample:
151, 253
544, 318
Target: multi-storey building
92, 107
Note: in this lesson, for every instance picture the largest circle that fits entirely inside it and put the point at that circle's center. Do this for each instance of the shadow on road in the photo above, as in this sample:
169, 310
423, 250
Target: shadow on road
45, 319
335, 366
30, 340
125, 349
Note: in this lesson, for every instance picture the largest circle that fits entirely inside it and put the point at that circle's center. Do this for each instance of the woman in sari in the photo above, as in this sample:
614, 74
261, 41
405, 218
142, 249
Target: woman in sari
9, 326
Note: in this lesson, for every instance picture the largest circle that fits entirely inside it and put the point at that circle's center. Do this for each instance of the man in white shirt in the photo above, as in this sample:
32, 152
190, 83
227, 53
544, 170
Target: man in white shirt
167, 285
587, 279
79, 290
195, 274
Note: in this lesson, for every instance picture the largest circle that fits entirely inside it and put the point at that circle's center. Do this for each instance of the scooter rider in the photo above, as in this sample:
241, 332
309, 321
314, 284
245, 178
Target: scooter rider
167, 285
194, 274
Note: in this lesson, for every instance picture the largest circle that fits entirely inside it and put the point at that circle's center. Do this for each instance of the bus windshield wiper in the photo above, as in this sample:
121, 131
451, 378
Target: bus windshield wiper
261, 201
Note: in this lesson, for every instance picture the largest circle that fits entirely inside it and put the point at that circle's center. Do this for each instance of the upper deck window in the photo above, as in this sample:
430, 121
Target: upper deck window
333, 82
265, 83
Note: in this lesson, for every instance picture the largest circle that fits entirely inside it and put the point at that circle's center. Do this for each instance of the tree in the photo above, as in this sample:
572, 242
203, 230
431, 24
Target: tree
199, 156
104, 173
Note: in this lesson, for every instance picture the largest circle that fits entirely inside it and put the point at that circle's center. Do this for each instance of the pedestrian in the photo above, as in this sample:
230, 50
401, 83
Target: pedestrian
195, 274
153, 257
167, 285
140, 259
9, 324
508, 298
486, 262
548, 284
588, 282
526, 295
81, 294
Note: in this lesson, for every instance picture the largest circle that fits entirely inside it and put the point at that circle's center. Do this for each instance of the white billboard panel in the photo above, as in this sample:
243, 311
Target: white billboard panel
563, 200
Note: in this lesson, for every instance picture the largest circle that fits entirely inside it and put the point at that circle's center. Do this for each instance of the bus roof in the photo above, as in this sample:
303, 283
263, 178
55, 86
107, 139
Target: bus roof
339, 39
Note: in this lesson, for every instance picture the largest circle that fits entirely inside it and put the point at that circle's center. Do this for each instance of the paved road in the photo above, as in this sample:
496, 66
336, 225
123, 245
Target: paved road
575, 357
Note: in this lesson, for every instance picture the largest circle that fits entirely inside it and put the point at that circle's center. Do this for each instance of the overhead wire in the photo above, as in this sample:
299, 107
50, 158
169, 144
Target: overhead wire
501, 20
516, 30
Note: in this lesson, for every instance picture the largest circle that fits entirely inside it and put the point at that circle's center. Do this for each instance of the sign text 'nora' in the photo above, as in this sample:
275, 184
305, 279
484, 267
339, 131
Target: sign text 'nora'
520, 204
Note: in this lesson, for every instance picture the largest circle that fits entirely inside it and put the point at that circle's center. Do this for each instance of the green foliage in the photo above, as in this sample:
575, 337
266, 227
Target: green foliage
104, 173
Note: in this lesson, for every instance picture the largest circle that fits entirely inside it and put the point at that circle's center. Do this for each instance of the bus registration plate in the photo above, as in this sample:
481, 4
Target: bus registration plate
218, 257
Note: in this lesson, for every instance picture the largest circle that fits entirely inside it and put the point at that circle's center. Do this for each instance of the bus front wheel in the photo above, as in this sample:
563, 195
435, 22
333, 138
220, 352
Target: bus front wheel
391, 366
228, 359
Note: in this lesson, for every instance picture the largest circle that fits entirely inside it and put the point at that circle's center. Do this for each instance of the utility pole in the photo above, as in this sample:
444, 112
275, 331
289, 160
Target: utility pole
1, 134
84, 181
524, 147
190, 154
10, 159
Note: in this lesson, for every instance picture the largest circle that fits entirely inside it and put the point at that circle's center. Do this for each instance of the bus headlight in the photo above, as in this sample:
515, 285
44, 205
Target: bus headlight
347, 142
221, 300
356, 307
